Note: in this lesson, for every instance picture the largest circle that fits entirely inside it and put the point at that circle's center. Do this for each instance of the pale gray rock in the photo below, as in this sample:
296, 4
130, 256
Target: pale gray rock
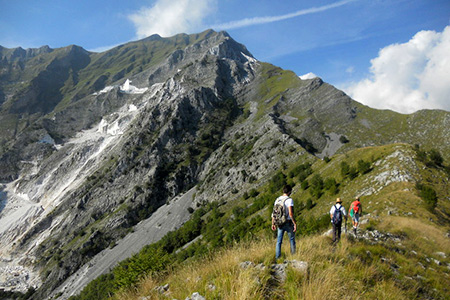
247, 265
278, 272
299, 266
196, 296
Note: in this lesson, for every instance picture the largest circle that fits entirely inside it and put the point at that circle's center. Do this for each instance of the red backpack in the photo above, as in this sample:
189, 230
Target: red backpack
356, 206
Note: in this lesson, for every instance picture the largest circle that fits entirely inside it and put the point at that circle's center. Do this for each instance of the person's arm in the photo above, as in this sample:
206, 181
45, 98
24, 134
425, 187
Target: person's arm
273, 225
291, 214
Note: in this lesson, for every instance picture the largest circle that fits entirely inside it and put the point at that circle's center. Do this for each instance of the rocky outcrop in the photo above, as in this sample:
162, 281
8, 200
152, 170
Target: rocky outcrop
136, 148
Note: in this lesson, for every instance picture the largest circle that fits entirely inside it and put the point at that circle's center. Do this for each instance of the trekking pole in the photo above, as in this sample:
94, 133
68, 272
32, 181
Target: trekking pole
345, 227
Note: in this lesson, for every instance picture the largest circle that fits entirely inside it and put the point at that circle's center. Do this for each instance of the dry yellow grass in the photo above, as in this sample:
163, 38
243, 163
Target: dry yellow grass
427, 237
332, 274
217, 276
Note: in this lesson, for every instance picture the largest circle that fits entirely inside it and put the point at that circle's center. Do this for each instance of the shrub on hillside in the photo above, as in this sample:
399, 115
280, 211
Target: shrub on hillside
436, 157
305, 184
363, 167
345, 169
301, 172
309, 204
353, 173
331, 185
316, 186
428, 194
432, 158
277, 182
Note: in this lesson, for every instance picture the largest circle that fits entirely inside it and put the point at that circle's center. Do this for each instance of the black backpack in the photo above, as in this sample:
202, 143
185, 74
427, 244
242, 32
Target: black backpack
337, 216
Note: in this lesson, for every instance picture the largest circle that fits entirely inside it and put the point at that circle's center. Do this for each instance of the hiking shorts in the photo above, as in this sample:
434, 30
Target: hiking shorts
355, 217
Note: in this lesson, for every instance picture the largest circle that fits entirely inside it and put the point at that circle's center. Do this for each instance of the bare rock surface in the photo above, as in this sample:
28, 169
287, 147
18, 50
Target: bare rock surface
167, 218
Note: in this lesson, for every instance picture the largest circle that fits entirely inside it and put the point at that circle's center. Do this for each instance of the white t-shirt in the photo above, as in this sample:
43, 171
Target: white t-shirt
338, 206
287, 203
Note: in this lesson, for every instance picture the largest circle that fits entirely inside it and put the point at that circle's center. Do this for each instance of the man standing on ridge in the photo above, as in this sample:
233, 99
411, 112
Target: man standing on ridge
337, 214
355, 211
283, 218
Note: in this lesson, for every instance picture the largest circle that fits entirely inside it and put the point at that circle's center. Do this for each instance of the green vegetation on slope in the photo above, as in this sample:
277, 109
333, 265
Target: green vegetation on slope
275, 83
380, 265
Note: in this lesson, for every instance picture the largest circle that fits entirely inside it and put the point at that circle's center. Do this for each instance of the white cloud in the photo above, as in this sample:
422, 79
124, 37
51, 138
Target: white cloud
264, 20
308, 76
409, 77
103, 48
170, 17
350, 70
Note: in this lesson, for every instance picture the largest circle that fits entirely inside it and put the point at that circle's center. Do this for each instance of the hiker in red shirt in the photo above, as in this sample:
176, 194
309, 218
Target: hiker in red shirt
355, 211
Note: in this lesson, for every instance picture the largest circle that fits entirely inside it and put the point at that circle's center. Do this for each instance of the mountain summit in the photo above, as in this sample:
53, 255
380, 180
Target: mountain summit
95, 146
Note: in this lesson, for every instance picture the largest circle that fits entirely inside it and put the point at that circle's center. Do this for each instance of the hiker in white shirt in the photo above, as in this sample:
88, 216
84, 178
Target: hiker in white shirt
337, 214
290, 226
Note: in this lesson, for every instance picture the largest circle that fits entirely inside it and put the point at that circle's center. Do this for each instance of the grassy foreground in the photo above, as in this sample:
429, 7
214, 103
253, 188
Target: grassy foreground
409, 265
402, 251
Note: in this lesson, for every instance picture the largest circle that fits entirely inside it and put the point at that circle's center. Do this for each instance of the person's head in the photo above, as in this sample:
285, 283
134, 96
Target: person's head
339, 200
357, 199
287, 189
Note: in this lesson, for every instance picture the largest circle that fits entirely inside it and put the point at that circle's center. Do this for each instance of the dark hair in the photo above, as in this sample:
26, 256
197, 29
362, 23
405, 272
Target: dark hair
287, 189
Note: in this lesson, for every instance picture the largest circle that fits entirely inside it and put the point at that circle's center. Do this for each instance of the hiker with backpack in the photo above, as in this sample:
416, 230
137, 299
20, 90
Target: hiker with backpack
337, 214
283, 219
355, 211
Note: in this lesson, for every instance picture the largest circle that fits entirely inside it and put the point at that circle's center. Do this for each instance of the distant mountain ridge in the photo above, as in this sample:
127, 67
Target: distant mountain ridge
91, 144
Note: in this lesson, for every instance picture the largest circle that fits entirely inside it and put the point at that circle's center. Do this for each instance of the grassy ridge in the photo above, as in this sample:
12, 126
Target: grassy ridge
402, 262
352, 270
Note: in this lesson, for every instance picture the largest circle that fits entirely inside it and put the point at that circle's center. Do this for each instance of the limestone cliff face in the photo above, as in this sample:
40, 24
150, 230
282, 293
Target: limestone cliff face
95, 143
101, 164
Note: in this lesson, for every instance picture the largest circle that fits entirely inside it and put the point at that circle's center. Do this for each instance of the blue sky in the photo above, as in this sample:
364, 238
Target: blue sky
388, 54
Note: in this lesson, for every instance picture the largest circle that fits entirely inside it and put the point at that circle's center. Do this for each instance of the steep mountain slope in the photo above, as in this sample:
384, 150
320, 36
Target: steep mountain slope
94, 143
107, 178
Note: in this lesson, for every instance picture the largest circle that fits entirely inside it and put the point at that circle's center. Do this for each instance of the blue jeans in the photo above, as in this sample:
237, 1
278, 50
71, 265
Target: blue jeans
289, 228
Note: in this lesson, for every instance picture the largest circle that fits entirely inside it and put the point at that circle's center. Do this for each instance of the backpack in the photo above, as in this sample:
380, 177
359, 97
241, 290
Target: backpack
279, 212
337, 215
356, 206
352, 212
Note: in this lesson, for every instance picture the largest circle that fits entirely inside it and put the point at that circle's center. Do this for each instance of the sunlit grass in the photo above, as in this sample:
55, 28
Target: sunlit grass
350, 270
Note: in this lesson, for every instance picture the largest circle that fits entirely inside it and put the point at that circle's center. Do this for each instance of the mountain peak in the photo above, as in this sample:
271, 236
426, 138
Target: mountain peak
153, 37
74, 49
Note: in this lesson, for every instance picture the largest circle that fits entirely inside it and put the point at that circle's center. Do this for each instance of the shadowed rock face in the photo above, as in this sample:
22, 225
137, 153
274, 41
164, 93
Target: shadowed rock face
95, 144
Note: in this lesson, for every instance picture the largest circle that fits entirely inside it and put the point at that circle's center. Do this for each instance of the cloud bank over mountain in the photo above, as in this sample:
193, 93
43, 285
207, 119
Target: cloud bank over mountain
309, 75
410, 76
170, 17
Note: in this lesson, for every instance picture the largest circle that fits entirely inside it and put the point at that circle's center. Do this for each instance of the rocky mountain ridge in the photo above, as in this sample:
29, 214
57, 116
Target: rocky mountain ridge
119, 134
166, 115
